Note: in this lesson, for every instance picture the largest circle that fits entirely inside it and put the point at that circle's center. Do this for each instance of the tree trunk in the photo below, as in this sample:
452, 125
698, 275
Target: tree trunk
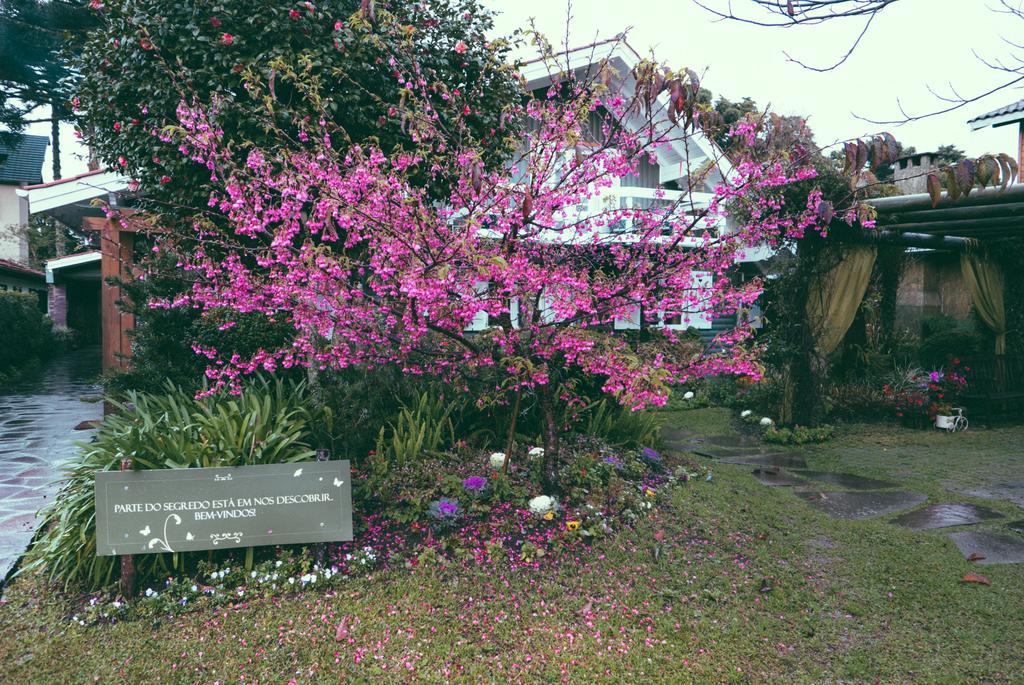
511, 441
891, 267
55, 116
806, 367
550, 475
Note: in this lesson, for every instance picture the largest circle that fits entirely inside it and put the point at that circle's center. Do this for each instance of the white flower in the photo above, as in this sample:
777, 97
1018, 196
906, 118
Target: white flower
745, 413
542, 504
497, 460
195, 588
766, 421
278, 563
536, 452
149, 592
688, 395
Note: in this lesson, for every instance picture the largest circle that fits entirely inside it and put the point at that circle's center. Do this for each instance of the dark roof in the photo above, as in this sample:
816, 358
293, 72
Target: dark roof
23, 163
19, 269
1002, 111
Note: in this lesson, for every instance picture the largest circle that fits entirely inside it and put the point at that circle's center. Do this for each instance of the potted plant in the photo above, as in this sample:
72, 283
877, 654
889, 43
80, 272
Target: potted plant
944, 416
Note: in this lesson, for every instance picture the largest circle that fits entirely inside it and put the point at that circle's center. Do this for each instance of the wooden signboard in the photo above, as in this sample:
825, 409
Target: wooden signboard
184, 510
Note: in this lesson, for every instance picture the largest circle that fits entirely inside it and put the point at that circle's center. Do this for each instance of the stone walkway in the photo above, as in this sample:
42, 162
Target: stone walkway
860, 498
38, 415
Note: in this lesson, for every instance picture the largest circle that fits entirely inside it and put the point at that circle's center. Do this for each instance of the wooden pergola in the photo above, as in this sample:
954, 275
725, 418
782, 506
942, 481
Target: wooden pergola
911, 220
73, 201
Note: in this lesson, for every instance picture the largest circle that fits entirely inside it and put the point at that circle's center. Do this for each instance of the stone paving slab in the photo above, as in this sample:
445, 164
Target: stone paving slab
997, 548
781, 459
733, 441
848, 481
946, 516
1011, 492
776, 477
862, 505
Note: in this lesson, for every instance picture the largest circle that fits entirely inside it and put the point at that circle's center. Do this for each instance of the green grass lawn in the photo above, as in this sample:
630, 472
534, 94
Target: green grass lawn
726, 581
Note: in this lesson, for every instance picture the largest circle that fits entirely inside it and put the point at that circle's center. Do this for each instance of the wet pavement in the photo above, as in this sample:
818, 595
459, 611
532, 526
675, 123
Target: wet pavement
994, 546
862, 505
37, 419
775, 476
946, 516
786, 461
848, 481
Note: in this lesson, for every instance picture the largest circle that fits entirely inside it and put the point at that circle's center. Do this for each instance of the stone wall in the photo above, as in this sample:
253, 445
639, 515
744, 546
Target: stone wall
931, 285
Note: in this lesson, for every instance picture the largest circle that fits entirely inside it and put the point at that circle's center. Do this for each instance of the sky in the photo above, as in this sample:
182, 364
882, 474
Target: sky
912, 45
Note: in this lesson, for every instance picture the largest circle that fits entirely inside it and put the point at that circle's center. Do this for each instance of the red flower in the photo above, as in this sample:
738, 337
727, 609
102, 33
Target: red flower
294, 14
165, 179
461, 47
466, 110
117, 125
338, 25
215, 22
227, 39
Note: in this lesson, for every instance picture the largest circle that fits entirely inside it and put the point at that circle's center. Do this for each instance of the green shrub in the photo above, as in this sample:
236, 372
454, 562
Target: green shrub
619, 426
26, 334
798, 435
857, 400
266, 424
426, 426
944, 338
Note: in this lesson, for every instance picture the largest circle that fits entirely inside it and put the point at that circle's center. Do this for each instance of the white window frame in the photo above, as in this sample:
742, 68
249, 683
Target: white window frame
699, 320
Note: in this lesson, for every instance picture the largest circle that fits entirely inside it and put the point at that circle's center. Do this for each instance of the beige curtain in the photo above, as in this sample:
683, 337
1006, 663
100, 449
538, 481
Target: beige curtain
833, 300
985, 283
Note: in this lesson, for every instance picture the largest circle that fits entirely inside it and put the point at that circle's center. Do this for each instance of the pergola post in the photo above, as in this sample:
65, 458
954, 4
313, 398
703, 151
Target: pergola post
117, 246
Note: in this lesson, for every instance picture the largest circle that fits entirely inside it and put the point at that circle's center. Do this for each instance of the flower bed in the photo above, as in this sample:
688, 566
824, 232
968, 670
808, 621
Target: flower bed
471, 520
919, 396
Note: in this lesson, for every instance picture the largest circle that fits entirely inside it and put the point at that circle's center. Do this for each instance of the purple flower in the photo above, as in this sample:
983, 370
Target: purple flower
651, 455
444, 508
614, 461
475, 483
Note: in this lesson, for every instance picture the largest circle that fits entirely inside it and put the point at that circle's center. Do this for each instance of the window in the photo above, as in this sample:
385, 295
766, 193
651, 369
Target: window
632, 323
699, 317
480, 322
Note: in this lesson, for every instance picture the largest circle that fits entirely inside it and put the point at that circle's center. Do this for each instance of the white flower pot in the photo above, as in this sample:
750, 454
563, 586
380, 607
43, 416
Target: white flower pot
944, 422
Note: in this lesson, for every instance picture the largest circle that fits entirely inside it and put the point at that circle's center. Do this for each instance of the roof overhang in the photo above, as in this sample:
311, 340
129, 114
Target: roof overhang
53, 266
677, 159
997, 121
70, 199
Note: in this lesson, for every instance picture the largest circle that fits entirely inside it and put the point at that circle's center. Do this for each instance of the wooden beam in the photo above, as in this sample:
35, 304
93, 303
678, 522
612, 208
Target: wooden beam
1008, 226
1020, 144
842, 233
953, 213
129, 221
922, 201
921, 240
117, 256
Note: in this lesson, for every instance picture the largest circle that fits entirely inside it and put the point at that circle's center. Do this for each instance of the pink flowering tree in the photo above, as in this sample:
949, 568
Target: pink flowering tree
520, 273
